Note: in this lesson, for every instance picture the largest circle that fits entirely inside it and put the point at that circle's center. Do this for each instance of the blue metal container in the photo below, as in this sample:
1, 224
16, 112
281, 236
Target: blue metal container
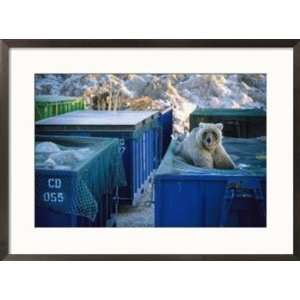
138, 131
188, 196
71, 193
45, 217
166, 121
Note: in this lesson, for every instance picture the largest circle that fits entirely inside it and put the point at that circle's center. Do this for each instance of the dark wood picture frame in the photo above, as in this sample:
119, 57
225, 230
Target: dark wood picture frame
6, 45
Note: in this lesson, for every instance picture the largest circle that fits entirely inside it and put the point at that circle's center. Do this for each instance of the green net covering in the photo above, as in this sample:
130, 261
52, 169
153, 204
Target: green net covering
248, 154
84, 169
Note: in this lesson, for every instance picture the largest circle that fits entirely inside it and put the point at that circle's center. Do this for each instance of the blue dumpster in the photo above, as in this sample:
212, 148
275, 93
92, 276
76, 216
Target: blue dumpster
189, 196
166, 122
139, 131
76, 181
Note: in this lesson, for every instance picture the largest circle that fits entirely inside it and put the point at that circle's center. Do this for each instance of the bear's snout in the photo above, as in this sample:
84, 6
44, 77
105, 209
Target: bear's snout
208, 140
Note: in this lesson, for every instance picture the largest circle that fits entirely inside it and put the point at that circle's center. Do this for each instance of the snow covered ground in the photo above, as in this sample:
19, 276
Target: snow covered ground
184, 92
141, 215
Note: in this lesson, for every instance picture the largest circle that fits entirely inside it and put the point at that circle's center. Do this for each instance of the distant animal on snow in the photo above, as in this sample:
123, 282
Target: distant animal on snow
97, 99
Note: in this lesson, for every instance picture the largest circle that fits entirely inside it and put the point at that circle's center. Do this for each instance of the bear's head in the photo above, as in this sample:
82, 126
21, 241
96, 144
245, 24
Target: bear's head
209, 135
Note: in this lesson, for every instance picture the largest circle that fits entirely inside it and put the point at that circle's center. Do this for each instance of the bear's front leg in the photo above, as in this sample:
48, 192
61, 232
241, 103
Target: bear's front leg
203, 160
221, 159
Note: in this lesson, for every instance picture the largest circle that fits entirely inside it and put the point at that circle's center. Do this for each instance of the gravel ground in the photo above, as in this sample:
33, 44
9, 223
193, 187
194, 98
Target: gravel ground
141, 215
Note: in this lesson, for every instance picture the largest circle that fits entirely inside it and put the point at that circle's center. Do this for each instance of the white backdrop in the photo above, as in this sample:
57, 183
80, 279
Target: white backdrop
275, 239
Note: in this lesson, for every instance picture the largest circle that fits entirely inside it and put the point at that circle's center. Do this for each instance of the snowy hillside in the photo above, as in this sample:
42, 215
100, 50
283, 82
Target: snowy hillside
183, 92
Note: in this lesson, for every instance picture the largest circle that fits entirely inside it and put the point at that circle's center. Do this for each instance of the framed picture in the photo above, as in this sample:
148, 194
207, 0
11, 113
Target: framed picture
149, 149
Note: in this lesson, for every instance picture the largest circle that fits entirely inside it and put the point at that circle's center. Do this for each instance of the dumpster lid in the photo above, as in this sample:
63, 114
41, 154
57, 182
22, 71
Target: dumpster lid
229, 112
101, 118
54, 98
249, 155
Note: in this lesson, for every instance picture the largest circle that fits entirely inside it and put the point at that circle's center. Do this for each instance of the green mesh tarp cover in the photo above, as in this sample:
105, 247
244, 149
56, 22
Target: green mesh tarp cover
248, 154
99, 171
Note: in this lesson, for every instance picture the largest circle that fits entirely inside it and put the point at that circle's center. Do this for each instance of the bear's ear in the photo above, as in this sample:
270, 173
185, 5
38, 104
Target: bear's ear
219, 126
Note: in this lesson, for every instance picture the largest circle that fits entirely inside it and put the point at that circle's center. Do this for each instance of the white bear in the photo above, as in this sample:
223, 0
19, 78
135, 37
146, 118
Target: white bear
203, 147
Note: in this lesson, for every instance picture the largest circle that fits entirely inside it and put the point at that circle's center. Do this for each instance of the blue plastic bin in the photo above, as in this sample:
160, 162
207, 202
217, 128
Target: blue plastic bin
188, 196
138, 130
75, 195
